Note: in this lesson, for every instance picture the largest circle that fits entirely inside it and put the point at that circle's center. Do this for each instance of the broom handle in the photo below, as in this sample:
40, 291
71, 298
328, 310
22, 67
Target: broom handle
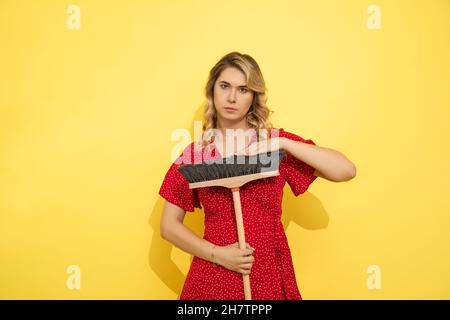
241, 238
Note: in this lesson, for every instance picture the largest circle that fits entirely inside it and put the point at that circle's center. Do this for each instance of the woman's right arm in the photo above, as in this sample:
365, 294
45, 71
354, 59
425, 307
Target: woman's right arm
173, 230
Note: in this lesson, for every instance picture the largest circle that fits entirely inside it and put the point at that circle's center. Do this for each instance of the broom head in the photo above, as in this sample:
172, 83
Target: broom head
233, 171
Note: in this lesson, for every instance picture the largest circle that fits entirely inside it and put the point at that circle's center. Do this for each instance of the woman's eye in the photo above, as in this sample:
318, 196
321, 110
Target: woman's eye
243, 90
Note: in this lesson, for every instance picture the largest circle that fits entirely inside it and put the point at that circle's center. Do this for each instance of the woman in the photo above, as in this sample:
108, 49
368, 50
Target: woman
235, 105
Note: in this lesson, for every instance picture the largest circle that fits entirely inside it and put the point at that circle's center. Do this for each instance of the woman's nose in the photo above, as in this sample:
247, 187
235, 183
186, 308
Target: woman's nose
232, 95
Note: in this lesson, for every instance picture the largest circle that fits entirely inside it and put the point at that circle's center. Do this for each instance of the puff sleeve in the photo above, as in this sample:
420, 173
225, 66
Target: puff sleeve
298, 174
175, 189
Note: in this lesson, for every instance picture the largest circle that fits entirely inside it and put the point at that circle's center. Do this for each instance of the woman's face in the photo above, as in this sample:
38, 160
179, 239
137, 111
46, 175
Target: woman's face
232, 98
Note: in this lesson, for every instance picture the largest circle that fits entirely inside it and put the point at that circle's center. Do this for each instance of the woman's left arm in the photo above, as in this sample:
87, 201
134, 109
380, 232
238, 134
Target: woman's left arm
329, 164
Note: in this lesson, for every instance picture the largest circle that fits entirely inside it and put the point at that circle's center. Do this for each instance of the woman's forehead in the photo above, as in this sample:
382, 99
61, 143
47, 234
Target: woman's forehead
233, 77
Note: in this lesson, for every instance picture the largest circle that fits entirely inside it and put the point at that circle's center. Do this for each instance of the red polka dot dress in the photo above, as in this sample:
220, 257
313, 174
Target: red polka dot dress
272, 275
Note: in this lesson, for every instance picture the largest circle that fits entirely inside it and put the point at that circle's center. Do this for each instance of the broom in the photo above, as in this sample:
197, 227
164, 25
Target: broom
233, 172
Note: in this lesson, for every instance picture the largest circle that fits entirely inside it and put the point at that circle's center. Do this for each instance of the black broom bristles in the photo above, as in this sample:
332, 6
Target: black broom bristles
233, 166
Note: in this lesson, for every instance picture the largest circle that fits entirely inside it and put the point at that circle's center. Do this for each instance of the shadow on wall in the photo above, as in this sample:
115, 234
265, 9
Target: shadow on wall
159, 256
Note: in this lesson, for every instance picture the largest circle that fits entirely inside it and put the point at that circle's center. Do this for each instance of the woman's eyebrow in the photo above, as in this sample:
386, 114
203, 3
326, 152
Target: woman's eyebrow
241, 86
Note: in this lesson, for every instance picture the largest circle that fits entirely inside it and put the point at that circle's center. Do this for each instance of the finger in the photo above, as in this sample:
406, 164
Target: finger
253, 150
249, 246
246, 266
246, 272
247, 252
241, 152
250, 148
247, 259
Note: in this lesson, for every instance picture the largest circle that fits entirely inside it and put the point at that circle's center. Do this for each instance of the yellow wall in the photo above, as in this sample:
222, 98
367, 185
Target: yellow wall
87, 115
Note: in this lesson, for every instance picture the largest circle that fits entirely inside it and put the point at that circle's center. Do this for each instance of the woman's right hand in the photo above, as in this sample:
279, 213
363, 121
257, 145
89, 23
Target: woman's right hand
235, 259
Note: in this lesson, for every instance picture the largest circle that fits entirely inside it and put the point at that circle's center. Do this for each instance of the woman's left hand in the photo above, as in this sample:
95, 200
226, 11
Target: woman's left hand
263, 146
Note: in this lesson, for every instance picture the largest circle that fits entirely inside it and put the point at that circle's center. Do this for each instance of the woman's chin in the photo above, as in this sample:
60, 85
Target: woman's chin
230, 116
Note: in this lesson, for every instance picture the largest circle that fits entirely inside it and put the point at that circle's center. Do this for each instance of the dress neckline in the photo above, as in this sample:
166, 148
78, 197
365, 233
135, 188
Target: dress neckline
218, 153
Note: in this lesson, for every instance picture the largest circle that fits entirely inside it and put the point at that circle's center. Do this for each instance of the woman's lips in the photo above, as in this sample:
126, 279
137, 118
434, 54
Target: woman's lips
230, 109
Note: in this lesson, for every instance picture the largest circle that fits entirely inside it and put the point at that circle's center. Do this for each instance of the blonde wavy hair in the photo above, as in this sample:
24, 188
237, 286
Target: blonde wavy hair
258, 114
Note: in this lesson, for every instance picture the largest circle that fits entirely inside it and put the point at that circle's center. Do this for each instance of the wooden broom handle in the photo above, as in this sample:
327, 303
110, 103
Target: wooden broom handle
241, 238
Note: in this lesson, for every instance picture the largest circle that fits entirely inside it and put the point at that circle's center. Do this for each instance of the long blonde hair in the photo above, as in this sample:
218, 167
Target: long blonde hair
258, 114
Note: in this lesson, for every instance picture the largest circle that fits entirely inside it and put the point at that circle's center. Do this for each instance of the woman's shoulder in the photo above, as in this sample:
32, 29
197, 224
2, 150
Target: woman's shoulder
282, 133
190, 153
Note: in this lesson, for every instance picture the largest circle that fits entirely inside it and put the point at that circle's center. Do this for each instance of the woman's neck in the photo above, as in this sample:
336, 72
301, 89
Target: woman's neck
223, 126
235, 136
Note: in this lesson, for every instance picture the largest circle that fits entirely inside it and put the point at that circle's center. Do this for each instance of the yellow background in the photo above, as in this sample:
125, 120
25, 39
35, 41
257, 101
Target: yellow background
87, 116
